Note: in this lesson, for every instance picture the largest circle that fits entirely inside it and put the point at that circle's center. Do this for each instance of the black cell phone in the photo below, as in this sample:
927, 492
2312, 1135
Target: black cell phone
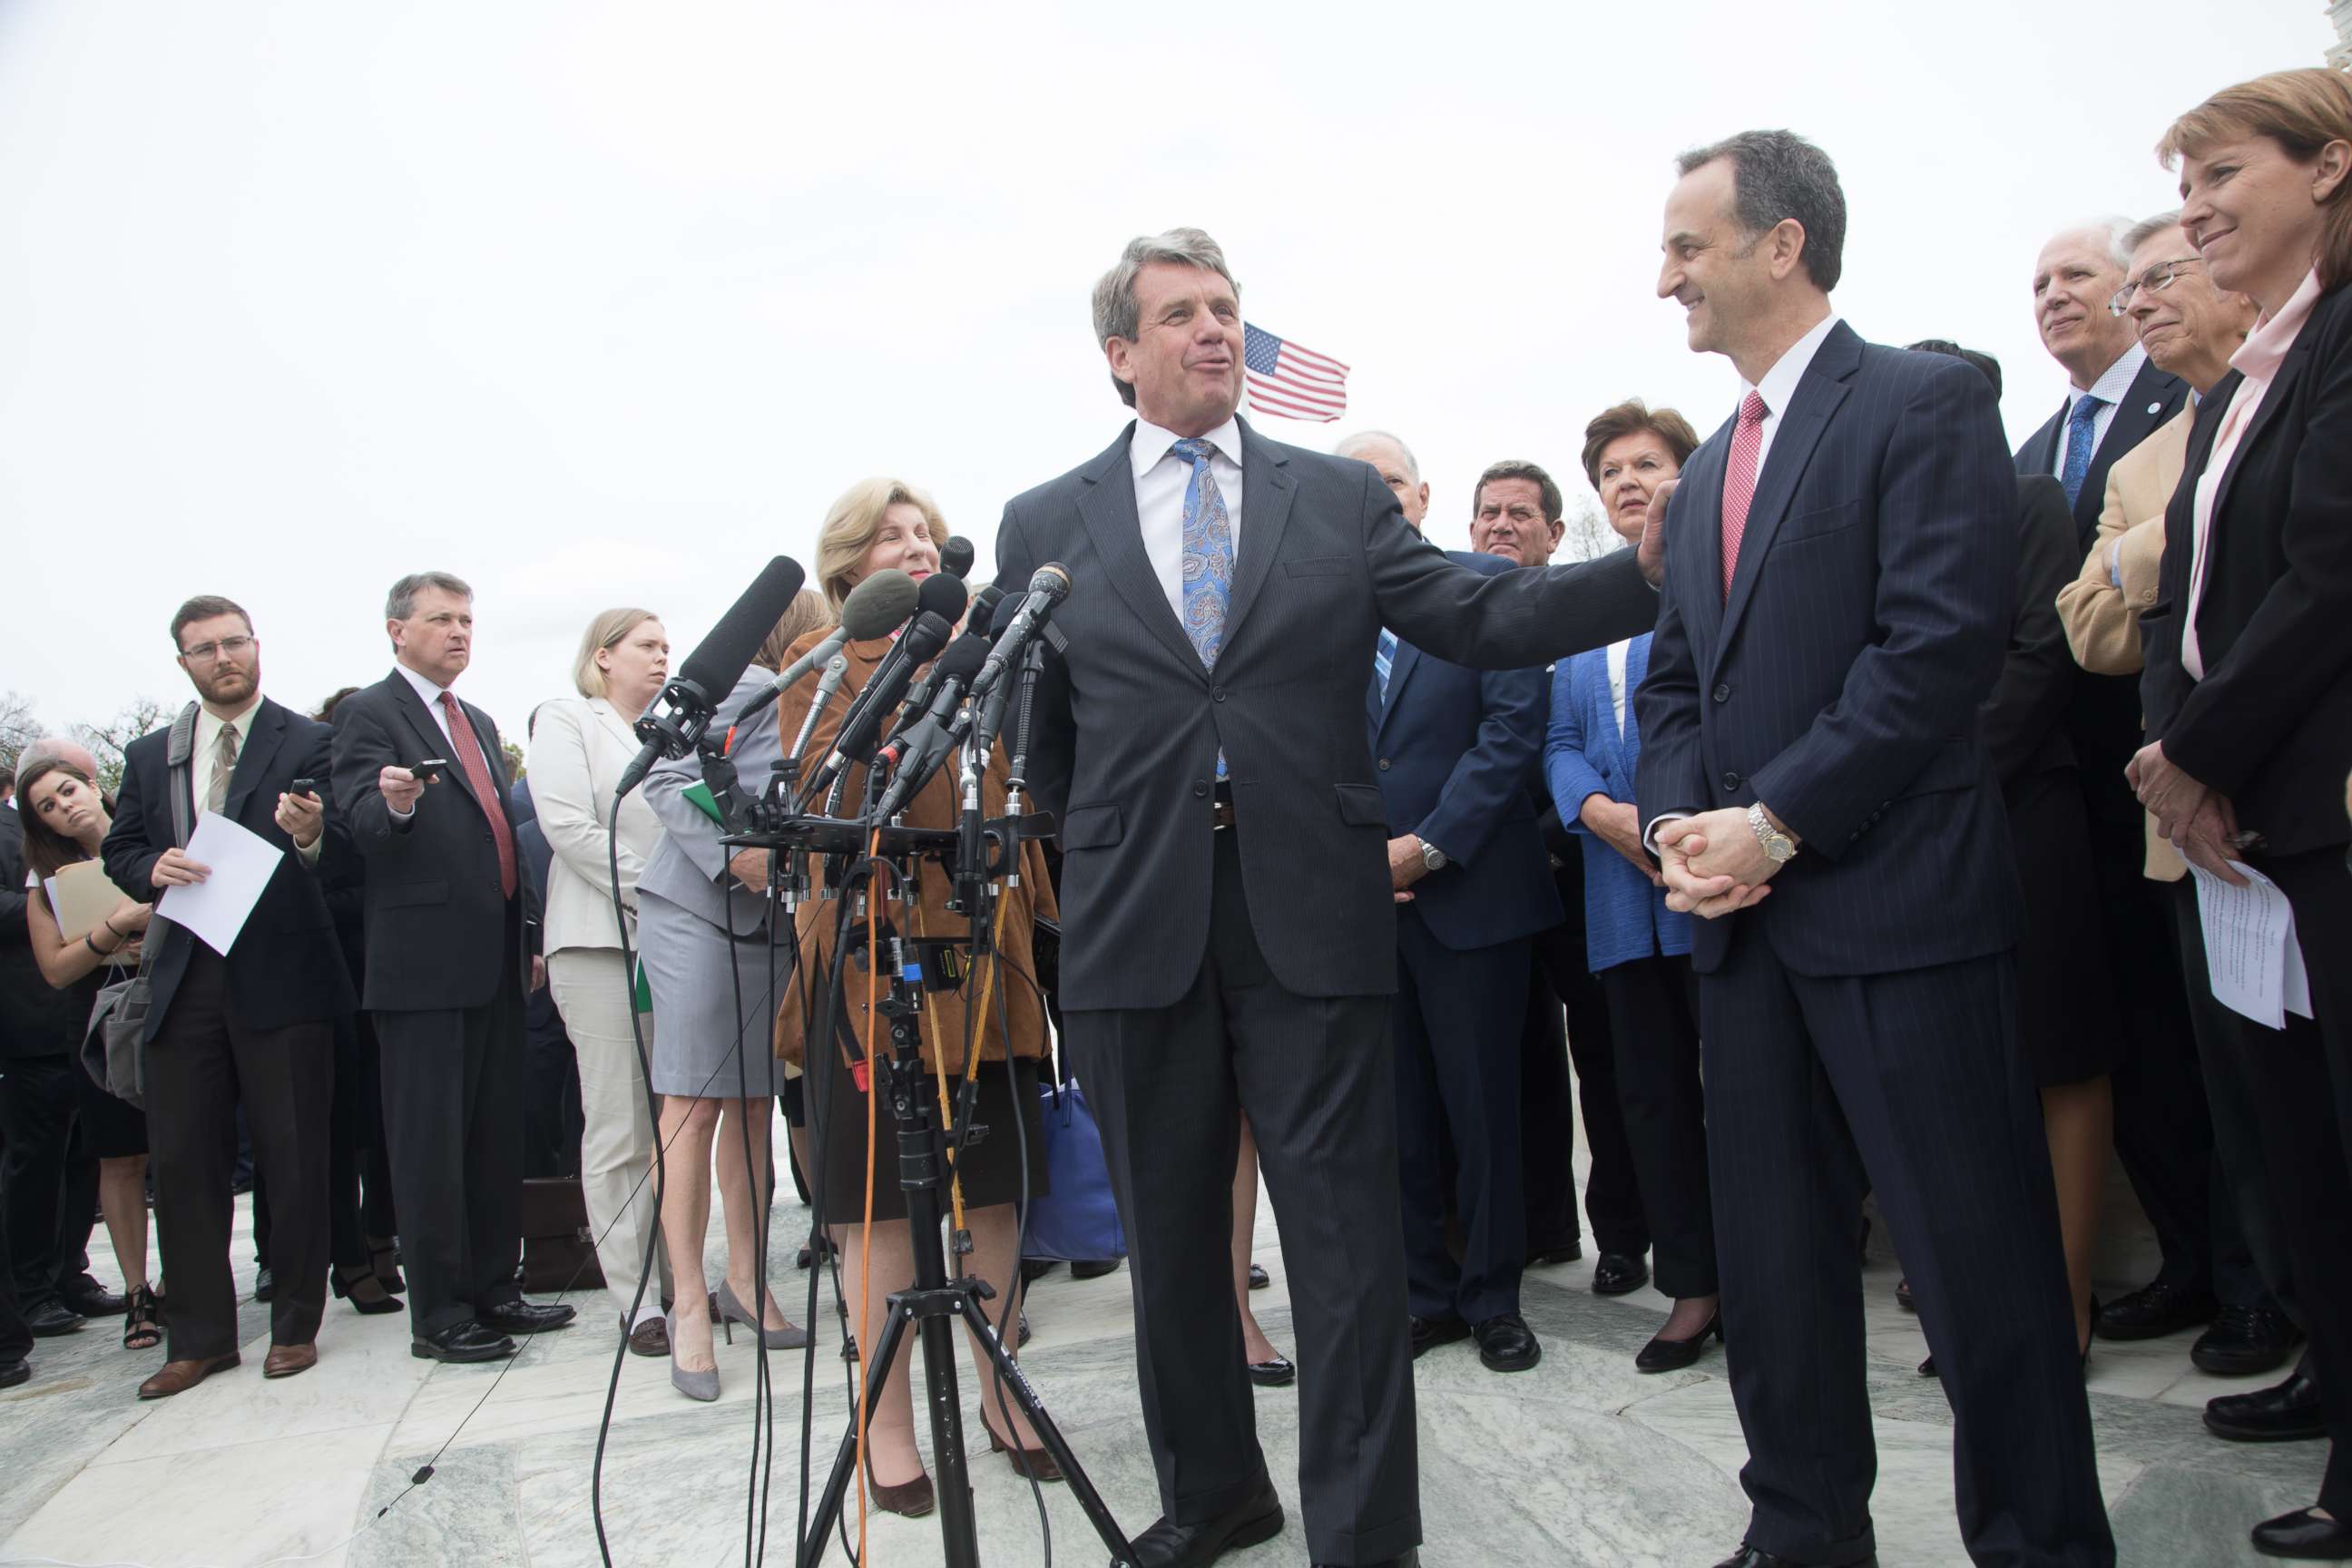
429, 770
303, 786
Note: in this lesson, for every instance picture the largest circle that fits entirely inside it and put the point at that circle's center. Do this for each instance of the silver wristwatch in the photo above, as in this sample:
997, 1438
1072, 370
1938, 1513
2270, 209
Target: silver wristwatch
1778, 848
1433, 858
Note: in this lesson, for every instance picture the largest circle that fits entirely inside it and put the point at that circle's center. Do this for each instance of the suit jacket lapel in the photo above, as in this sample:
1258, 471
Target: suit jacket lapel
428, 732
265, 733
1267, 491
1399, 668
1108, 509
1819, 392
2273, 400
2152, 398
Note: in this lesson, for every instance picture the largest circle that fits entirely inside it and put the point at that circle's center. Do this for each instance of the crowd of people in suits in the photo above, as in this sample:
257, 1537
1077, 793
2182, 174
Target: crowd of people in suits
1846, 832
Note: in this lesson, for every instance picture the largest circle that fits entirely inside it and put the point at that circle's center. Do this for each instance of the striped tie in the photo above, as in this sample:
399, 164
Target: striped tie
224, 769
1384, 659
1739, 480
1208, 559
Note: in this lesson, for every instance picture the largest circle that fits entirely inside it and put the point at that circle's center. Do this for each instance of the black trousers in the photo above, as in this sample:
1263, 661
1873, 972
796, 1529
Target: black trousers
1612, 1192
359, 1176
15, 1338
1458, 1022
2164, 1135
2250, 1259
1314, 1075
202, 1063
453, 1115
1547, 1123
49, 1178
2302, 1082
1911, 1082
1654, 1016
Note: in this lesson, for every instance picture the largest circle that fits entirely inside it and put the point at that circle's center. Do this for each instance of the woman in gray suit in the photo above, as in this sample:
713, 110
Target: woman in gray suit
703, 920
579, 748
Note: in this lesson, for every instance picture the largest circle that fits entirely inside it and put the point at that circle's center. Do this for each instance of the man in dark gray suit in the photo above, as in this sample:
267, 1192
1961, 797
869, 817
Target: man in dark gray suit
1229, 940
1838, 597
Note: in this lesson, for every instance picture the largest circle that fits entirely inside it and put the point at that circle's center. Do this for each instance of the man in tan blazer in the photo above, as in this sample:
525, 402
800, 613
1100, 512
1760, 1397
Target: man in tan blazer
2191, 329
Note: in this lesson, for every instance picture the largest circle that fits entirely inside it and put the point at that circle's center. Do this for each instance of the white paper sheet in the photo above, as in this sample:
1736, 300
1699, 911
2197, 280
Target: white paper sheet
2251, 951
242, 863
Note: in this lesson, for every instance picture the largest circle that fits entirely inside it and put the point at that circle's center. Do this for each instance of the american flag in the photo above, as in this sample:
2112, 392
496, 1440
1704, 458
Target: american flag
1292, 382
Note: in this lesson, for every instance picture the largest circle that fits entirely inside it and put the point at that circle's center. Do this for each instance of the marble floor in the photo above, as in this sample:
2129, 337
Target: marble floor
1581, 1461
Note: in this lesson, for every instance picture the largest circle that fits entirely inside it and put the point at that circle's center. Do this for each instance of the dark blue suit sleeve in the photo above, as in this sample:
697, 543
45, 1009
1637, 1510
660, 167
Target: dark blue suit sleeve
1670, 775
362, 751
1492, 774
1947, 546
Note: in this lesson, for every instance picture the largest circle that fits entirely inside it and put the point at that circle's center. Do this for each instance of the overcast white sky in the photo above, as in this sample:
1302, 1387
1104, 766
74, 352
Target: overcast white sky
602, 302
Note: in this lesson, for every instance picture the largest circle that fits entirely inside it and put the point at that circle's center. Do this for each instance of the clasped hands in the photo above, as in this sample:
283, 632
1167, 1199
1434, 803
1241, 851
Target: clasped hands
2201, 823
1713, 864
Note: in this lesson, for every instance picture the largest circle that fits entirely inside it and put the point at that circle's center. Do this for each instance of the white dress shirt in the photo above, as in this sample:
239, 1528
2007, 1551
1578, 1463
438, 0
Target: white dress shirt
2109, 389
1617, 651
200, 763
1778, 388
1159, 482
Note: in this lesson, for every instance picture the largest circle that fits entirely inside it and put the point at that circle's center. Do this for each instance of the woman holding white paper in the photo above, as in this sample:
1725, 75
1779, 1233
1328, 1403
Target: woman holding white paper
66, 817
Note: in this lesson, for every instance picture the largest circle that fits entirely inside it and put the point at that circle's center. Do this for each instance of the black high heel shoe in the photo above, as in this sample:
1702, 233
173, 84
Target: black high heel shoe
365, 1292
1663, 1354
385, 1256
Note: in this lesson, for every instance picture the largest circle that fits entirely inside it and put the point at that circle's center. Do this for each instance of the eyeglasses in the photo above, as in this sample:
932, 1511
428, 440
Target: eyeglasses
2157, 278
227, 648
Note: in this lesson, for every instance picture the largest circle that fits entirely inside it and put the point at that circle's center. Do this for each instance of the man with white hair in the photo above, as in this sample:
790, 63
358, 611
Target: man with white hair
2115, 398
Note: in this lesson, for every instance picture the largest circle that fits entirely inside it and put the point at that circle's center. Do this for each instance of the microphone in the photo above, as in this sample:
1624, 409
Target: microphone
956, 556
835, 669
876, 607
673, 722
916, 751
1048, 588
982, 614
943, 598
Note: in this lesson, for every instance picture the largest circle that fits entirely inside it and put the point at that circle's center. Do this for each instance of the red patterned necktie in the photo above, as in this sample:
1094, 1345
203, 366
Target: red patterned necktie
1739, 482
477, 774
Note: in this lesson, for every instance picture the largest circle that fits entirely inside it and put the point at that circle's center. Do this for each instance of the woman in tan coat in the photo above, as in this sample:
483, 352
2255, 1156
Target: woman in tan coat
882, 523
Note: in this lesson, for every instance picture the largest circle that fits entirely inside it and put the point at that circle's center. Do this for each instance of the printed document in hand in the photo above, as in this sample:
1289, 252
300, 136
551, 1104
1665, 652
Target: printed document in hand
241, 862
2251, 948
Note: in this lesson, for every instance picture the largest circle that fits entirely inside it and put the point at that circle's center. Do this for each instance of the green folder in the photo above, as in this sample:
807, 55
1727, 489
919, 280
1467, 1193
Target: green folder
699, 794
645, 997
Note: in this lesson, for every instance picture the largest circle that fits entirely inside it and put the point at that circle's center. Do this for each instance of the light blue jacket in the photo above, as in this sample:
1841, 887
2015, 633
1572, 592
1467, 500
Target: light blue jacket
1625, 915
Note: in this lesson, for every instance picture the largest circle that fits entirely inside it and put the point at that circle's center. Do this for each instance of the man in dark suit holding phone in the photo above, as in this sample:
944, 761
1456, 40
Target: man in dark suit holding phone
451, 929
254, 1027
1837, 600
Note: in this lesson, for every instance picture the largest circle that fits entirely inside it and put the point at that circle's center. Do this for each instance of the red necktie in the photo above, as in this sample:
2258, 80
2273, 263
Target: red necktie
1739, 482
477, 774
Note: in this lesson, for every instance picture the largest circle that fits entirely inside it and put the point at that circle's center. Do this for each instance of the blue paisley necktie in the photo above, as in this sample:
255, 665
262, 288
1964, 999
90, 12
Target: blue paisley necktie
1208, 559
2081, 439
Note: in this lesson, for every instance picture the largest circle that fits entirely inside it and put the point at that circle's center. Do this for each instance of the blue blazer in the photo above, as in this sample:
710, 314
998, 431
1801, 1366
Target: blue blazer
1839, 682
1455, 751
1625, 914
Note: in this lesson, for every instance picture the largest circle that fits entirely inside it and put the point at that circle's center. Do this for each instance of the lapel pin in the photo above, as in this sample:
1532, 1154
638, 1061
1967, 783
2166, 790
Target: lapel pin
2155, 408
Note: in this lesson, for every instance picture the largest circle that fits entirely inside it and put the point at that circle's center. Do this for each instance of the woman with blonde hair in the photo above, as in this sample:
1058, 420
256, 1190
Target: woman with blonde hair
579, 748
711, 961
878, 524
2248, 685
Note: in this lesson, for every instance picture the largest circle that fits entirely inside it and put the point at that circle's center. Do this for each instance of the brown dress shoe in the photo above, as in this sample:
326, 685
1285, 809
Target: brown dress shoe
650, 1337
178, 1376
285, 1360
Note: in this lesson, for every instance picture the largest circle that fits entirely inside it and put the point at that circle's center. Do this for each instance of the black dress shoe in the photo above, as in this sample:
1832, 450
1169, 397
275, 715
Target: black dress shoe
2284, 1413
525, 1317
1280, 1371
1619, 1274
1032, 1268
265, 1285
1409, 1559
53, 1317
2152, 1311
1756, 1557
1257, 1518
466, 1342
1903, 1296
1550, 1256
1258, 1277
1023, 1343
1428, 1333
1663, 1354
2245, 1341
1093, 1267
2304, 1534
15, 1373
1505, 1344
87, 1298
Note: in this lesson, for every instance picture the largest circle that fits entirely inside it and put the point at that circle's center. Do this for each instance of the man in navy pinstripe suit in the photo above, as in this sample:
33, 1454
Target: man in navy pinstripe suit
1837, 594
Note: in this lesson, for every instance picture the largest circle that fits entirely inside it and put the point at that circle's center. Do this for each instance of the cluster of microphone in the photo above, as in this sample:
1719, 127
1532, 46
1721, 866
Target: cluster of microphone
933, 692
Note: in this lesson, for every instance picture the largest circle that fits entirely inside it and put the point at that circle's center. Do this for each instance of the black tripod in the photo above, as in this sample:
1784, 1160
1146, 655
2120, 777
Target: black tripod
933, 1304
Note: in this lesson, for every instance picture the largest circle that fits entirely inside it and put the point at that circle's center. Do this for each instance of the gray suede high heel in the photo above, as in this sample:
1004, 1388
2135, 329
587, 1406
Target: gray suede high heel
701, 1385
787, 1338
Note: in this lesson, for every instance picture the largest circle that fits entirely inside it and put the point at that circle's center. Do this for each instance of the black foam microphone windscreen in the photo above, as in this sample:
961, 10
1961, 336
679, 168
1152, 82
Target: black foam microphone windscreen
879, 605
941, 595
719, 661
956, 557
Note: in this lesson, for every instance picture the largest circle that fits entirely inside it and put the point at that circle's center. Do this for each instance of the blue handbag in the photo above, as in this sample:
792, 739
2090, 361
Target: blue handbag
1077, 1219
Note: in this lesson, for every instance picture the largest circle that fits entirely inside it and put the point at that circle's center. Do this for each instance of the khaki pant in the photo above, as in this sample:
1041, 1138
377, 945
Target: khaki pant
616, 1146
